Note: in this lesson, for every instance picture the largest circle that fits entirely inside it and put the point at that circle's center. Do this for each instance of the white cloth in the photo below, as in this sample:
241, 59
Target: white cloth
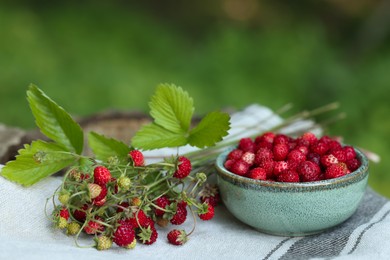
25, 232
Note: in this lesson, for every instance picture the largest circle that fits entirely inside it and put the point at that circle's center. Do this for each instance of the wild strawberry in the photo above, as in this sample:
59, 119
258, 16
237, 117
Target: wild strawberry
266, 137
280, 151
101, 175
309, 136
303, 149
296, 155
94, 190
136, 201
140, 219
281, 139
209, 214
349, 152
334, 145
161, 203
102, 195
288, 176
180, 216
103, 242
73, 228
132, 244
268, 166
240, 167
319, 147
340, 155
148, 235
325, 139
302, 142
257, 174
328, 159
124, 234
80, 214
263, 144
137, 157
61, 223
177, 237
336, 170
100, 203
279, 167
124, 183
248, 157
235, 154
263, 154
122, 206
228, 164
309, 171
314, 157
210, 195
93, 227
246, 145
64, 198
183, 168
353, 164
64, 213
293, 165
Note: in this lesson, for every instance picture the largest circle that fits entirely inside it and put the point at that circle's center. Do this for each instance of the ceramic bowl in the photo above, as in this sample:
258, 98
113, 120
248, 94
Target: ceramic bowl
292, 209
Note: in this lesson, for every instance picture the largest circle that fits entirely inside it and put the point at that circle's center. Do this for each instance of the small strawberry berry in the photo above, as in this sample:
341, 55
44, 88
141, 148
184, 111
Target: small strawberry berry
209, 194
124, 234
228, 164
177, 237
263, 154
340, 155
180, 216
246, 145
137, 157
281, 139
248, 157
314, 157
161, 203
73, 228
309, 136
288, 176
353, 164
101, 175
183, 169
309, 171
319, 147
124, 183
94, 190
279, 167
235, 154
102, 195
136, 201
257, 174
132, 244
209, 214
296, 155
80, 214
334, 145
280, 151
64, 198
328, 159
148, 235
140, 219
64, 213
240, 167
336, 170
266, 137
268, 166
61, 223
103, 242
93, 227
349, 152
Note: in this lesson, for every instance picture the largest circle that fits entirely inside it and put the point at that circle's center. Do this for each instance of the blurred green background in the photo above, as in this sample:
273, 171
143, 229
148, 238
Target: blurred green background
100, 55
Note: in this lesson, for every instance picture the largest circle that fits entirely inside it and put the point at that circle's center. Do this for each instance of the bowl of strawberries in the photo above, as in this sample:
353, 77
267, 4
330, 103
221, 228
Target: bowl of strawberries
289, 186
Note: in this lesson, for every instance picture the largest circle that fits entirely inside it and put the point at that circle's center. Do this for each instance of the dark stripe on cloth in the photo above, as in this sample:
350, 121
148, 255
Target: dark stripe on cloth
276, 248
332, 242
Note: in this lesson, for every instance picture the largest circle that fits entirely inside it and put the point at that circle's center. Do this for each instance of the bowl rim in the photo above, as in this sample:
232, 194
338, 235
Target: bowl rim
352, 177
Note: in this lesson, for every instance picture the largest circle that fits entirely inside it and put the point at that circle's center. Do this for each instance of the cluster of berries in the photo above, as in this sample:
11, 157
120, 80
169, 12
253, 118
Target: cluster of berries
277, 157
123, 204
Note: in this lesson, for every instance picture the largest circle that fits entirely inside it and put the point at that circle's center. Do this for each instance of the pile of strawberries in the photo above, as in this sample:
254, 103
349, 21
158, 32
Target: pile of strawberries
122, 204
277, 157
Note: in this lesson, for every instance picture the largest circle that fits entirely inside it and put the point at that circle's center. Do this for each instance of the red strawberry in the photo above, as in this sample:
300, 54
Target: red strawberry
210, 194
353, 164
281, 139
94, 190
268, 166
239, 167
148, 235
177, 237
64, 213
303, 149
180, 216
309, 136
212, 200
279, 167
101, 175
336, 170
246, 145
80, 214
101, 196
349, 152
263, 154
263, 144
228, 164
94, 227
280, 151
296, 155
248, 157
288, 176
209, 214
314, 157
266, 137
319, 147
140, 219
137, 157
340, 155
328, 159
124, 235
257, 174
184, 168
161, 202
309, 171
334, 145
235, 154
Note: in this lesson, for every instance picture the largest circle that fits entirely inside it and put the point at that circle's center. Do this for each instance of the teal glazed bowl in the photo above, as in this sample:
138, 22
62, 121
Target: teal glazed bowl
292, 209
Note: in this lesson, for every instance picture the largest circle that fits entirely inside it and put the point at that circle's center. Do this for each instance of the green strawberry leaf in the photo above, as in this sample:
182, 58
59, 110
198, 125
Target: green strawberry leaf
172, 108
104, 147
37, 161
153, 136
54, 121
210, 130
